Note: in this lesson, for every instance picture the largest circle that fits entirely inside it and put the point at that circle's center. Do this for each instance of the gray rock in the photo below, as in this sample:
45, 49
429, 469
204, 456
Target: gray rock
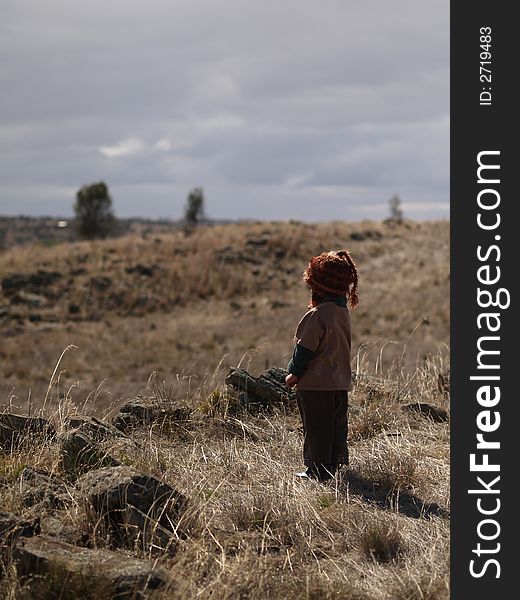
263, 392
80, 453
139, 409
17, 429
97, 430
56, 525
141, 413
13, 527
39, 487
44, 562
134, 508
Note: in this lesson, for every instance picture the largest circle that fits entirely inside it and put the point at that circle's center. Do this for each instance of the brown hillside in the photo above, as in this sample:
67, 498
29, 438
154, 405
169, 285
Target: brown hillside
175, 303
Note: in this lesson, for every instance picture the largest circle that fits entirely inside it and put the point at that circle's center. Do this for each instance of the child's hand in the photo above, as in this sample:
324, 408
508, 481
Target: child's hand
291, 380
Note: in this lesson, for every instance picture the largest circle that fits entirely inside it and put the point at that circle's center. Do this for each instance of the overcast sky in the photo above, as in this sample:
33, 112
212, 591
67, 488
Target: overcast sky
302, 109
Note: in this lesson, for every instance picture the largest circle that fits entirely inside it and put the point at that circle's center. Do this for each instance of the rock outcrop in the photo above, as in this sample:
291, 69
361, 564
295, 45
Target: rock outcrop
39, 487
141, 412
13, 527
262, 392
98, 431
81, 453
132, 508
18, 429
47, 564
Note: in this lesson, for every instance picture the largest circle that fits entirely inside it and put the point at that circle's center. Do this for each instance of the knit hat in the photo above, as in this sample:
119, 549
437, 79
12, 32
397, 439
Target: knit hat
333, 273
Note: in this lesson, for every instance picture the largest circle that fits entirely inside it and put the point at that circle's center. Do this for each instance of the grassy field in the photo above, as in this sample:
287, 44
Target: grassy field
166, 316
177, 304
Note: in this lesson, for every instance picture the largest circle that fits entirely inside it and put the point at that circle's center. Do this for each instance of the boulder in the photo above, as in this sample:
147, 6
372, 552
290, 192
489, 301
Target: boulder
132, 507
39, 487
134, 412
17, 429
45, 563
97, 430
80, 453
56, 524
263, 392
142, 412
13, 527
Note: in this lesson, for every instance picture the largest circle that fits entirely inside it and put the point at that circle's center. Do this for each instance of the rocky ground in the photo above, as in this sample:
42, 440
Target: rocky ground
155, 458
92, 508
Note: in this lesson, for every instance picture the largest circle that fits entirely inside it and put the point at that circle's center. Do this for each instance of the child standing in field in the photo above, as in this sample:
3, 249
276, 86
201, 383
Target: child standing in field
320, 364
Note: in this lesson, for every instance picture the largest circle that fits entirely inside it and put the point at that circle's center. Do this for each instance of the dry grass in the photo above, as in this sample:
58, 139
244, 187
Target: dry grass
212, 296
381, 531
378, 532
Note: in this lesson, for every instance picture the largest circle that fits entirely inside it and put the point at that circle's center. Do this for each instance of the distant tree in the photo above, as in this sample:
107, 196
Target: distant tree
194, 209
93, 209
396, 212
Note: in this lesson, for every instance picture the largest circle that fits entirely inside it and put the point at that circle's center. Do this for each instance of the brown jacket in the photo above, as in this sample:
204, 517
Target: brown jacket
325, 330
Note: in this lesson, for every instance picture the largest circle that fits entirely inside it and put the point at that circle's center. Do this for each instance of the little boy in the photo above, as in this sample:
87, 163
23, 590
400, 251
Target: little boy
320, 364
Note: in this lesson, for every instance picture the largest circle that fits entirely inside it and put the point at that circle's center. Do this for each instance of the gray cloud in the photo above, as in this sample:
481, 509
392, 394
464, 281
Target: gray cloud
280, 109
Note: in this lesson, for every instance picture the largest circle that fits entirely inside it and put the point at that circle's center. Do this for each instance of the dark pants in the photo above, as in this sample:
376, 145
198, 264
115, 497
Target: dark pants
324, 417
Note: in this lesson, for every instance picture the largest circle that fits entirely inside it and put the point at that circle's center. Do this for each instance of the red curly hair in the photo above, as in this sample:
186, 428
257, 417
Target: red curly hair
332, 273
